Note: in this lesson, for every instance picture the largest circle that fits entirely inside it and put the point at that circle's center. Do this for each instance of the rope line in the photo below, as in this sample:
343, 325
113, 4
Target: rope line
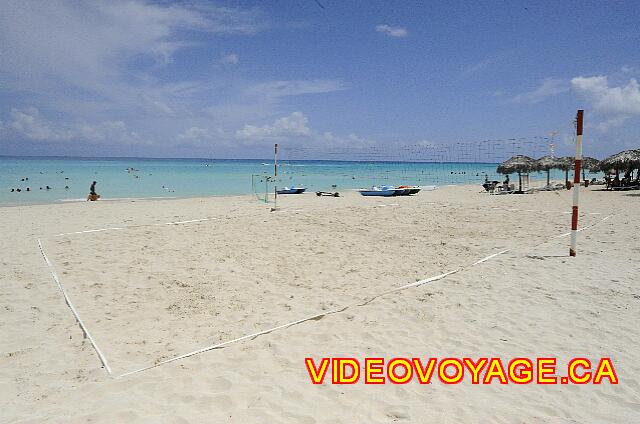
84, 328
287, 210
338, 310
316, 316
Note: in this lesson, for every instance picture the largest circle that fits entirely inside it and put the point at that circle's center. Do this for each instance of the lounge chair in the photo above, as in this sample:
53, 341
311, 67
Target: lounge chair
504, 189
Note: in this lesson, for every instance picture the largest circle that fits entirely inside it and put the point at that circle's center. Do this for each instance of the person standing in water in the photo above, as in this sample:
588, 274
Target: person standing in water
93, 196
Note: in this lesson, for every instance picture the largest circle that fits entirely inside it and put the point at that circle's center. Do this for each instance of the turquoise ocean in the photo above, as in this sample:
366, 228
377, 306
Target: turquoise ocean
69, 178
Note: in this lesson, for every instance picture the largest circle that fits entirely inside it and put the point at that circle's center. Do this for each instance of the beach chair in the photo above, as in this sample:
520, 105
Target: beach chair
511, 188
490, 186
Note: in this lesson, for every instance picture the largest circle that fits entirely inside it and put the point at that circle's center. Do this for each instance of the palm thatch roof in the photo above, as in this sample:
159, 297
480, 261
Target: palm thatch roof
628, 159
592, 164
519, 163
546, 163
566, 163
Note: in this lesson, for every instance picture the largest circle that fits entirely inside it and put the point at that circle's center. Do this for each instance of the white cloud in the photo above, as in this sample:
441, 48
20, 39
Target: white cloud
230, 59
198, 136
623, 100
99, 71
292, 125
626, 69
328, 139
294, 129
77, 43
548, 88
29, 123
392, 31
478, 66
91, 63
617, 103
616, 121
274, 89
195, 134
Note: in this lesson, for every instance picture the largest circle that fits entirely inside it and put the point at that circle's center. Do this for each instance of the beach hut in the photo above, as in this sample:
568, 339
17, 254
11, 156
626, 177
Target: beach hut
517, 164
625, 161
547, 163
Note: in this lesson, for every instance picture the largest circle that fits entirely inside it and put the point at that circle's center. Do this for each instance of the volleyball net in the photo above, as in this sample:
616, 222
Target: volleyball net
343, 167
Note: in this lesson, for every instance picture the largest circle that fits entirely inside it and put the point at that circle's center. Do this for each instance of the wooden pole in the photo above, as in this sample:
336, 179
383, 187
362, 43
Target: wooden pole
576, 184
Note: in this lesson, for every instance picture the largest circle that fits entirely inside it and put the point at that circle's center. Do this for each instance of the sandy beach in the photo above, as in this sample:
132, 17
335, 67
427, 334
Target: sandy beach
167, 277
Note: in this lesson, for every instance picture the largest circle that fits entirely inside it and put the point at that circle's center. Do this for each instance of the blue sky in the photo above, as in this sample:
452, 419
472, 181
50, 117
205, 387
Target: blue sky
228, 79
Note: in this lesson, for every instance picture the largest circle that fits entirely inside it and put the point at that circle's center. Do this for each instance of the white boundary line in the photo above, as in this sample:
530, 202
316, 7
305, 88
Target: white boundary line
289, 324
283, 210
337, 310
134, 226
103, 359
249, 336
541, 211
490, 257
219, 345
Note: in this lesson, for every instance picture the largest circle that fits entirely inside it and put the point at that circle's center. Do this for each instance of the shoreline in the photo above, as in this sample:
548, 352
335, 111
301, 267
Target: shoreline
204, 196
123, 200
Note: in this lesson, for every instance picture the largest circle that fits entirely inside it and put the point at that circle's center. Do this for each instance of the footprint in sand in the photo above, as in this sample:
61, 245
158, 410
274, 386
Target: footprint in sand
398, 412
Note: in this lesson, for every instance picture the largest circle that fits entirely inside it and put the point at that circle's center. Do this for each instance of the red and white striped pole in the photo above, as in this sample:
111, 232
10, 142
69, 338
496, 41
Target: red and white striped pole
275, 177
576, 184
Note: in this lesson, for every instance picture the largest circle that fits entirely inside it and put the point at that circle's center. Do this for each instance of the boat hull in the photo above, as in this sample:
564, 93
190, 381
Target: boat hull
385, 193
294, 190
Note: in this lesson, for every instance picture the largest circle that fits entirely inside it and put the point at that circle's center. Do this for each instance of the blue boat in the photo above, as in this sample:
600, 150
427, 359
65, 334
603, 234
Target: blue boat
291, 190
380, 191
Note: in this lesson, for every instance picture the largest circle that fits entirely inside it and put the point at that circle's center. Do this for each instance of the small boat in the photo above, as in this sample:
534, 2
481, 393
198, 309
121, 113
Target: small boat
327, 193
408, 190
380, 191
291, 190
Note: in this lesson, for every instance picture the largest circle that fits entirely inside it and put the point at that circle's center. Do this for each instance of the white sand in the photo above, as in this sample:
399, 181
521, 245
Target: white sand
153, 291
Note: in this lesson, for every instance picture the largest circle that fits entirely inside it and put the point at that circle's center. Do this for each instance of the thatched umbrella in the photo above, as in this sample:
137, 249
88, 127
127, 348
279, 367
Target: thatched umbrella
566, 163
519, 164
547, 163
627, 160
592, 164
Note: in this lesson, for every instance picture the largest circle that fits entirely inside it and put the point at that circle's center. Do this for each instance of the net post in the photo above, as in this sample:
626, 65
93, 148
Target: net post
576, 184
275, 177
